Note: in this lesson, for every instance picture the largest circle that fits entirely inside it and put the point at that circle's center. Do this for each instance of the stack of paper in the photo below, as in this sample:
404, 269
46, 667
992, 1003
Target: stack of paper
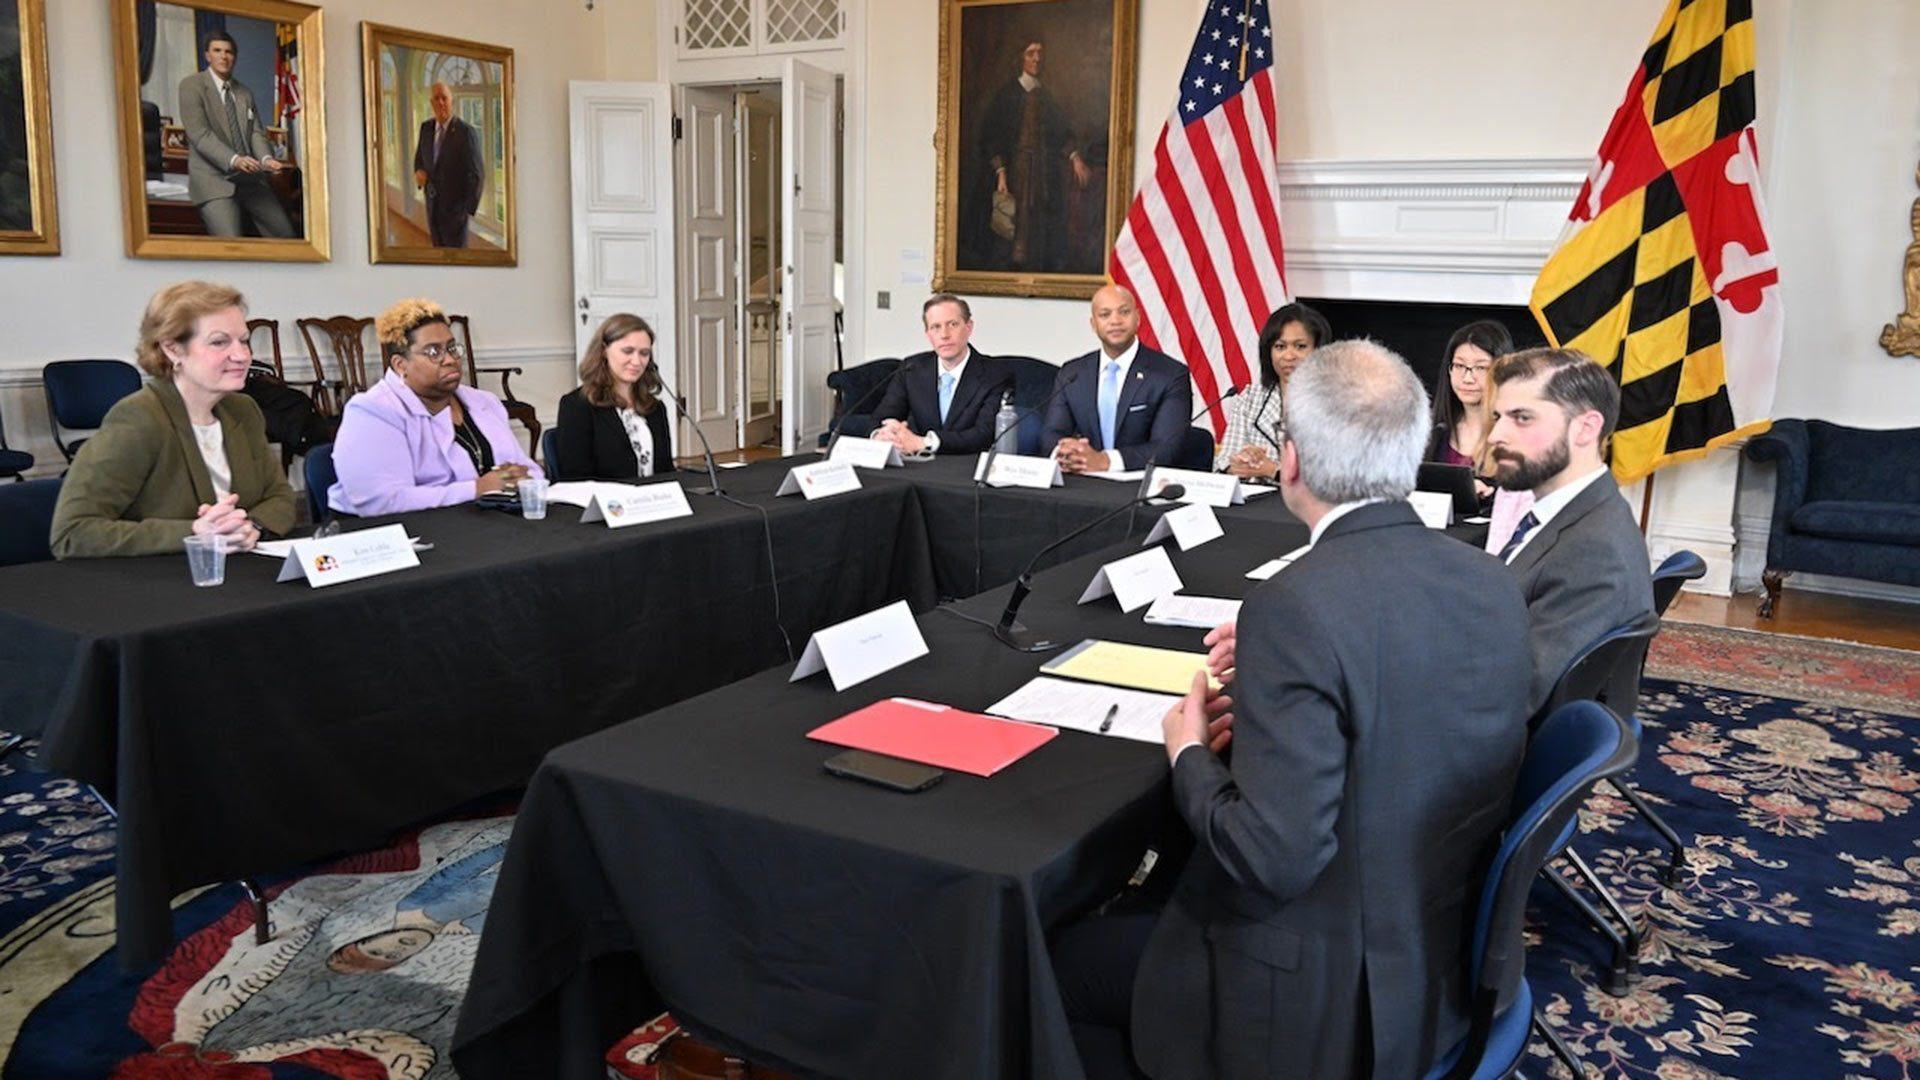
1084, 707
1198, 612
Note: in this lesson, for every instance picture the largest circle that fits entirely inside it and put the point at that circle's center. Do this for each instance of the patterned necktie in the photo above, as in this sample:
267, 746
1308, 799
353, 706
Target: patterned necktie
1525, 525
946, 394
1109, 403
233, 120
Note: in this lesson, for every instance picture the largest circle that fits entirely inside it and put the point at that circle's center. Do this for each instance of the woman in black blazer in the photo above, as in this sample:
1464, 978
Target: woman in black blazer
614, 427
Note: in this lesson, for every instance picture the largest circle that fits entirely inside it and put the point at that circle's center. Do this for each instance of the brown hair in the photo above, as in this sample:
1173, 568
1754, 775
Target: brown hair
966, 313
172, 315
1574, 382
596, 378
398, 322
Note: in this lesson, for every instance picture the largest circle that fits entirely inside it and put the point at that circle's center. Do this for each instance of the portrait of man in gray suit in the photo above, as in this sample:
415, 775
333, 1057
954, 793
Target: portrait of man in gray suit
229, 158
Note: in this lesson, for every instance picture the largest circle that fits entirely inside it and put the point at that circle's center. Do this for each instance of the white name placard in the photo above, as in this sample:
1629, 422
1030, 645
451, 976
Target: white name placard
863, 646
621, 505
1434, 507
1190, 526
349, 556
820, 479
1135, 581
866, 453
1020, 470
1212, 489
1273, 566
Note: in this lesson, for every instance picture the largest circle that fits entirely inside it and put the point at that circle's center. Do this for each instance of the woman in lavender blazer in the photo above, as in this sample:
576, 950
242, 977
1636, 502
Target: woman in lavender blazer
419, 438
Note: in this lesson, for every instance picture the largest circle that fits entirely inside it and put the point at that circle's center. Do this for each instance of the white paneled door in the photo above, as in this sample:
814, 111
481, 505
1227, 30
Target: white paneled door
621, 141
709, 272
809, 133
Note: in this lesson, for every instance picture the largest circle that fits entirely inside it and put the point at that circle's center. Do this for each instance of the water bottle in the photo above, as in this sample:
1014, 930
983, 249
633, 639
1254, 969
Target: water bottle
1007, 423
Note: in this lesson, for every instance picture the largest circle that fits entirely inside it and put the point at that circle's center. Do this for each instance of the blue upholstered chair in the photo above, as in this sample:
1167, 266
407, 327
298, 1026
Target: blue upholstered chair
1032, 382
1196, 450
79, 393
1846, 502
12, 462
26, 520
1577, 746
851, 387
550, 451
320, 475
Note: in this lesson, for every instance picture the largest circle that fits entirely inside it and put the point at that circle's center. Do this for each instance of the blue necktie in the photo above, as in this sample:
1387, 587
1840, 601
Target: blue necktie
1525, 525
946, 394
1109, 403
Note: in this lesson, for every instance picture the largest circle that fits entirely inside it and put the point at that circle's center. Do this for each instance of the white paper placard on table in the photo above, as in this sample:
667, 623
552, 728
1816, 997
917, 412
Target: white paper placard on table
349, 556
1190, 526
1082, 706
1193, 612
1214, 489
865, 453
1135, 581
863, 646
1020, 470
1132, 476
820, 479
621, 505
1273, 566
1434, 507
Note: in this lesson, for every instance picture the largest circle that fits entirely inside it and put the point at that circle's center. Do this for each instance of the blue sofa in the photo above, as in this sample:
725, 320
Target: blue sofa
1846, 502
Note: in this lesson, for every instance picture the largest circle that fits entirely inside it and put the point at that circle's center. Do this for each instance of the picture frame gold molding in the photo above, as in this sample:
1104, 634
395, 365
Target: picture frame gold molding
142, 243
43, 236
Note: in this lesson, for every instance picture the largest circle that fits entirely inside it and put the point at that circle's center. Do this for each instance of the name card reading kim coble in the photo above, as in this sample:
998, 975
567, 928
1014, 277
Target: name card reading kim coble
863, 646
349, 556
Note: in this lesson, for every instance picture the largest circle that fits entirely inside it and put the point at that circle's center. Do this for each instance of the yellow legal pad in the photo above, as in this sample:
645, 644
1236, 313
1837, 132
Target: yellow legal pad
1140, 667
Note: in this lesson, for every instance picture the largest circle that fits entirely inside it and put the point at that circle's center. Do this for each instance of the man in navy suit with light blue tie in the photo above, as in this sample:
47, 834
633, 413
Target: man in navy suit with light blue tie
1126, 403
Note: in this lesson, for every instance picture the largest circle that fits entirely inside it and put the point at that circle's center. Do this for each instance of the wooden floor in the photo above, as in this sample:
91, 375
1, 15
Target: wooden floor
1810, 614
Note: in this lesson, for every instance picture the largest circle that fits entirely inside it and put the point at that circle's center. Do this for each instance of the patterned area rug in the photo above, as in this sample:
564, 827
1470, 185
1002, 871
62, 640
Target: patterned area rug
1840, 673
1789, 949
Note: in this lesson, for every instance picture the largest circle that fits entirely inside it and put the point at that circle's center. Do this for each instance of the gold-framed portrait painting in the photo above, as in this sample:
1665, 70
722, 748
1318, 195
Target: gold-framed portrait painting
1035, 144
440, 165
223, 129
29, 220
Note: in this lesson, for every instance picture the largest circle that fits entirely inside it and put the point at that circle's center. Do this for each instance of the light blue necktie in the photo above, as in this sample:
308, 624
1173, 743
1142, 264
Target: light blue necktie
1109, 403
946, 394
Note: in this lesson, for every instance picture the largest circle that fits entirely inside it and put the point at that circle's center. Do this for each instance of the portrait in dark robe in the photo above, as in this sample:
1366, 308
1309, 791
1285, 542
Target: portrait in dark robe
1033, 156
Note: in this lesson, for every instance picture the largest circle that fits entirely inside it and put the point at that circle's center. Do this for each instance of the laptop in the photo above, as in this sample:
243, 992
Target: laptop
1454, 480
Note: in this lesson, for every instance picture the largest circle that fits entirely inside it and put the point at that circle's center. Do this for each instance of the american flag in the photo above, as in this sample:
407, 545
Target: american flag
1201, 245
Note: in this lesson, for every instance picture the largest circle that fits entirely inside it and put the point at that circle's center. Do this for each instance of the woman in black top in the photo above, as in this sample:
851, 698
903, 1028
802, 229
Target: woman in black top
615, 427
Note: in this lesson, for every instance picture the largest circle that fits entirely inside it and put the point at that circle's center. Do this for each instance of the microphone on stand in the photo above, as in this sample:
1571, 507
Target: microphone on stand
833, 431
1008, 630
706, 450
1161, 448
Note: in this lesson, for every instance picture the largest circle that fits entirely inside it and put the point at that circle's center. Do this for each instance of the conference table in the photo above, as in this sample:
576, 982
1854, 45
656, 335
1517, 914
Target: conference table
244, 730
699, 859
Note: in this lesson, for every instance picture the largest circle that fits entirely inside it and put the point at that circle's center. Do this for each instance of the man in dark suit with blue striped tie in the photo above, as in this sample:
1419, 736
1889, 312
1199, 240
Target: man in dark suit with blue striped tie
1125, 404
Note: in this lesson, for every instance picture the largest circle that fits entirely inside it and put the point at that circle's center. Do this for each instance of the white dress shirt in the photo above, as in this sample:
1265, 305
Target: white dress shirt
958, 371
1545, 509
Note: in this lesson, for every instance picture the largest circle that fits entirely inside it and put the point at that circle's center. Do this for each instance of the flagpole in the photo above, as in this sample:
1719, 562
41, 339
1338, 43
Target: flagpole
1646, 502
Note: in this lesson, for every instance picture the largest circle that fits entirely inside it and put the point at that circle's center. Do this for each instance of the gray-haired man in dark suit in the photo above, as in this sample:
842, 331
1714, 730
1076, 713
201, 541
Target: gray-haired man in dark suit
228, 158
1577, 553
1378, 716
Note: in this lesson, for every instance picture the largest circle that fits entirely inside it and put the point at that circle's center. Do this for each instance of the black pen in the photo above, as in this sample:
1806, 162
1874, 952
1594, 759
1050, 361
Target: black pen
1106, 725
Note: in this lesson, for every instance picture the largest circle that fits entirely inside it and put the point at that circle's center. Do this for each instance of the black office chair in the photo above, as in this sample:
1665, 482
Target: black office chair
79, 393
1196, 450
320, 476
1608, 671
550, 452
1571, 751
12, 462
1677, 569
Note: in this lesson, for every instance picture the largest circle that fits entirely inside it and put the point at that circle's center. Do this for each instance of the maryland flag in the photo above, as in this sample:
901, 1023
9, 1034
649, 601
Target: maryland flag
1664, 272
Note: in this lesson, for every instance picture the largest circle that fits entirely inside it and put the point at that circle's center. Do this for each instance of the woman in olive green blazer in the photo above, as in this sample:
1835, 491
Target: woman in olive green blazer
187, 453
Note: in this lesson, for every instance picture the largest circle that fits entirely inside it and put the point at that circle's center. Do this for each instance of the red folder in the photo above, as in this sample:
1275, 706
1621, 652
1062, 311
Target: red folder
936, 735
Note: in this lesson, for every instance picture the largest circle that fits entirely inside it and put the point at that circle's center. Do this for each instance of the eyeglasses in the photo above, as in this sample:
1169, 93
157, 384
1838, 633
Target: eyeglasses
440, 354
1471, 371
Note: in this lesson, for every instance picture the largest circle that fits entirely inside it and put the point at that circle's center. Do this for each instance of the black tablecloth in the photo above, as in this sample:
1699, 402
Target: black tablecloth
700, 859
245, 729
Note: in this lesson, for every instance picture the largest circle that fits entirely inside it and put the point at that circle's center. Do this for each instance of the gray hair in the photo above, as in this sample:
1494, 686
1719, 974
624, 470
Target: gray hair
1357, 416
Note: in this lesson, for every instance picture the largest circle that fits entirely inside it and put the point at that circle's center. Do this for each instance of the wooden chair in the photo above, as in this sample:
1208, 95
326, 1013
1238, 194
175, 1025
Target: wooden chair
346, 335
516, 409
